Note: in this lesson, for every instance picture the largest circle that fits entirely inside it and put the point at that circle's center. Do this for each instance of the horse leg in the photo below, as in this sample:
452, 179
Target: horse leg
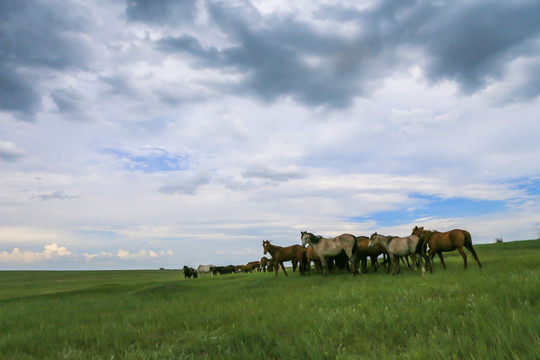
463, 255
407, 260
393, 261
418, 258
413, 260
442, 259
324, 265
429, 264
374, 263
276, 267
354, 261
283, 267
470, 248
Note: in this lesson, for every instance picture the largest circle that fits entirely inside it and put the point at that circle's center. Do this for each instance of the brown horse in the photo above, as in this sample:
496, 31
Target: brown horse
281, 254
447, 241
264, 263
311, 255
363, 253
251, 267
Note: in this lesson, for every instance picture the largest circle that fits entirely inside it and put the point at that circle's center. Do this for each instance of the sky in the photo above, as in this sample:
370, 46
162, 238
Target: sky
138, 134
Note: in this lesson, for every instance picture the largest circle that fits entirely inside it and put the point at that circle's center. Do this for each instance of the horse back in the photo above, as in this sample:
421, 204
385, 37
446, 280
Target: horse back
450, 240
363, 250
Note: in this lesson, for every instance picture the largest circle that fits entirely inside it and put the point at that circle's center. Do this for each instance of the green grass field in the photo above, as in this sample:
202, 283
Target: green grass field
488, 313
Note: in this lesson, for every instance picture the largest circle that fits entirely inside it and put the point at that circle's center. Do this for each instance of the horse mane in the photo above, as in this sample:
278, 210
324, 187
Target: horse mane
315, 239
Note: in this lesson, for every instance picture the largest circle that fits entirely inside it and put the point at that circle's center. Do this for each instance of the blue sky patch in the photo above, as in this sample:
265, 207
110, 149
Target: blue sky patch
152, 160
432, 206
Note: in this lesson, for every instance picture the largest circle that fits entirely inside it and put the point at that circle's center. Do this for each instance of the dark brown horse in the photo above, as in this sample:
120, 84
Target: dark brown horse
264, 263
281, 254
446, 241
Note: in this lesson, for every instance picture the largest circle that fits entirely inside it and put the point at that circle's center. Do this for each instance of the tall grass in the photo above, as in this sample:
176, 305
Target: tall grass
491, 312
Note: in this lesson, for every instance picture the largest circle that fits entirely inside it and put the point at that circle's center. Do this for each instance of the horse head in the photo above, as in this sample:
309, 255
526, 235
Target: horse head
372, 240
418, 231
266, 245
308, 238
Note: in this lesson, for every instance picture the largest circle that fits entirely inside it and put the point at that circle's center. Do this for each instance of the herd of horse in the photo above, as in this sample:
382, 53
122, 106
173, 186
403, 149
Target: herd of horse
348, 252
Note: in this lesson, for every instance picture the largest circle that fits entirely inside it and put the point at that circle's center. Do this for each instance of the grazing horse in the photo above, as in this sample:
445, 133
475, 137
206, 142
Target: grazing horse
251, 266
364, 252
264, 263
332, 247
189, 272
281, 254
447, 241
229, 269
404, 246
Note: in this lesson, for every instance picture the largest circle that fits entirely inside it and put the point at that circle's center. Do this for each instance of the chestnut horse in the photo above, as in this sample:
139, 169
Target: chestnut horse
447, 241
281, 254
332, 247
311, 255
364, 252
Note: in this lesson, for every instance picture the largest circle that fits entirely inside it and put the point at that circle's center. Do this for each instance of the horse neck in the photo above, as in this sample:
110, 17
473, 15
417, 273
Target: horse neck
272, 249
383, 241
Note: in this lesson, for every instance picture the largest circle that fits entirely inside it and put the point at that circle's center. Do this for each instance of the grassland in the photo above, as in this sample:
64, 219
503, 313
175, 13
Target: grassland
488, 313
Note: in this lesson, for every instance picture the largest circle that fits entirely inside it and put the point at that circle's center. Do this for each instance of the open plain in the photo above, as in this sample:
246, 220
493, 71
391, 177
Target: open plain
487, 313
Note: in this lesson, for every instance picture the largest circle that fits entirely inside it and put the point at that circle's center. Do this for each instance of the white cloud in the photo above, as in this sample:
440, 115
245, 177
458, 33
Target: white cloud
248, 122
9, 152
17, 256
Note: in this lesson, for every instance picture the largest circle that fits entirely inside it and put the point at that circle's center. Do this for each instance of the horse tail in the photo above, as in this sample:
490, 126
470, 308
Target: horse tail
355, 246
467, 242
467, 239
420, 247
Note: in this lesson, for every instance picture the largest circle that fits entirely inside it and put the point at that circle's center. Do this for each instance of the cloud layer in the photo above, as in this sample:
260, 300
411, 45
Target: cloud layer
199, 128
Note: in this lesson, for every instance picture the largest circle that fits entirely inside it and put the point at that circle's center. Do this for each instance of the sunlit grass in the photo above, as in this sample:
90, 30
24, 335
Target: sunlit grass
454, 313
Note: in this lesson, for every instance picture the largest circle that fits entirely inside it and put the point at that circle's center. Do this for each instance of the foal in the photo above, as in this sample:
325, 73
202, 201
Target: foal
281, 254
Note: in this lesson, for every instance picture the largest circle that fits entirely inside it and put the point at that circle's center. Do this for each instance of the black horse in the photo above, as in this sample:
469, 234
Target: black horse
222, 269
189, 272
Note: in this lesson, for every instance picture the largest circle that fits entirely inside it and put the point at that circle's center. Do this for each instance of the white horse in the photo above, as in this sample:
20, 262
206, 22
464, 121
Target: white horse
332, 247
204, 269
401, 246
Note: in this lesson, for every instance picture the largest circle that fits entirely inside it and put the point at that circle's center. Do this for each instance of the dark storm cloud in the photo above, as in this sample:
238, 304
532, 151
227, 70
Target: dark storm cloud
161, 12
307, 57
273, 58
467, 42
17, 93
473, 43
35, 38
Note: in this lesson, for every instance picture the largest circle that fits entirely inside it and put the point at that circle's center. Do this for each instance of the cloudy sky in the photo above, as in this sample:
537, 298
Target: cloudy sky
146, 134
